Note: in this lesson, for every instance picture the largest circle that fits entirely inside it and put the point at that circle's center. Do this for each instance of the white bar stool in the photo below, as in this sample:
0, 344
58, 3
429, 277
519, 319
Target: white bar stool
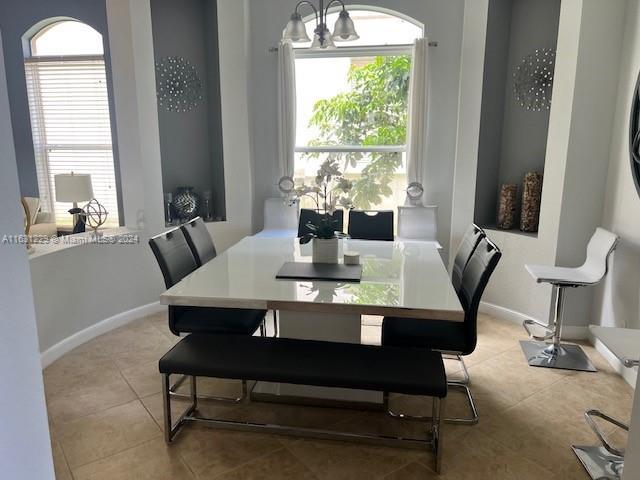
556, 354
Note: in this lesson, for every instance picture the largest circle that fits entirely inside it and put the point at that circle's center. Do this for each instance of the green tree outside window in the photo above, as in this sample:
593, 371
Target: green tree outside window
373, 113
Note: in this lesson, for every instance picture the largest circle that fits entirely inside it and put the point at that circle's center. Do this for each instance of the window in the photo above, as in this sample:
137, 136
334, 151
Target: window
352, 106
70, 120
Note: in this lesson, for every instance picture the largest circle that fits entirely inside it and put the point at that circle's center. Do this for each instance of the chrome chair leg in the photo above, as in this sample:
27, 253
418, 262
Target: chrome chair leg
472, 405
603, 461
554, 355
455, 384
458, 358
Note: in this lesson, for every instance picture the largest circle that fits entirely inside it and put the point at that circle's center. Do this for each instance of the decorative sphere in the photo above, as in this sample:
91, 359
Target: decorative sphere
96, 214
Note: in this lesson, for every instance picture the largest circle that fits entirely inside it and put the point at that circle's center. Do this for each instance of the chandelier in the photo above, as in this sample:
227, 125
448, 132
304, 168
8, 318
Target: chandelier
344, 30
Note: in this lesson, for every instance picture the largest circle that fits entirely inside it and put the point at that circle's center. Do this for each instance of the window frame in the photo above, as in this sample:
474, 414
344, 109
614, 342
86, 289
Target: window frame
49, 206
351, 52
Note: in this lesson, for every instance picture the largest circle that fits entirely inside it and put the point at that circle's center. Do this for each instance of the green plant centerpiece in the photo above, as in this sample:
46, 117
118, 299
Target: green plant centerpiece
330, 192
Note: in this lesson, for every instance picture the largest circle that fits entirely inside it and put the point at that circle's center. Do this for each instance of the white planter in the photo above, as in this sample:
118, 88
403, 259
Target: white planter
325, 250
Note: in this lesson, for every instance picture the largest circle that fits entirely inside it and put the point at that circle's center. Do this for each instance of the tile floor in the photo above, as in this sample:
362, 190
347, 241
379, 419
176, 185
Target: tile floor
105, 410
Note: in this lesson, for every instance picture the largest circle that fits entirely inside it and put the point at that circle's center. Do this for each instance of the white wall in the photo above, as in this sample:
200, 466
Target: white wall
579, 132
617, 301
233, 37
443, 22
25, 448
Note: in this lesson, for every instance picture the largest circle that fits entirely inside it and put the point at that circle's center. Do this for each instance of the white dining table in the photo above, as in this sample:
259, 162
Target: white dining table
400, 279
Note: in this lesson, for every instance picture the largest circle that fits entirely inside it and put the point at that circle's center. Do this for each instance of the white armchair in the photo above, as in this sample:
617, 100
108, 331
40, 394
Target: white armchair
42, 223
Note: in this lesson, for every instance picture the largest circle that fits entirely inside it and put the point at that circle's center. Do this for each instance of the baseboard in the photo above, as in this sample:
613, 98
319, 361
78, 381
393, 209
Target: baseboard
74, 341
569, 332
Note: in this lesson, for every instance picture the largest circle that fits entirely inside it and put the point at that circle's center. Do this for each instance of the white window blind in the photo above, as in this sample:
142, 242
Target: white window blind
71, 128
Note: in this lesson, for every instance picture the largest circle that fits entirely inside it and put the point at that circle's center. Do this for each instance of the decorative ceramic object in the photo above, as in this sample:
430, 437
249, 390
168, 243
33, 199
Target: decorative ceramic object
351, 258
325, 250
186, 203
507, 207
96, 215
533, 80
531, 199
179, 87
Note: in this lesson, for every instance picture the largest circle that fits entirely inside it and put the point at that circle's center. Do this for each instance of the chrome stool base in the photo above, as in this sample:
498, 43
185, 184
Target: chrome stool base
599, 463
563, 357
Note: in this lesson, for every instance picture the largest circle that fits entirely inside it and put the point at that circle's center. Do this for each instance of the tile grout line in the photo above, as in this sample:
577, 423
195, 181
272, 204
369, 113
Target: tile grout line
254, 459
160, 433
115, 454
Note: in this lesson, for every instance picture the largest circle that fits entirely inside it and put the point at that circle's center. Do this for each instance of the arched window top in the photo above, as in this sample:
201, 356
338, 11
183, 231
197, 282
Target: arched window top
66, 37
375, 27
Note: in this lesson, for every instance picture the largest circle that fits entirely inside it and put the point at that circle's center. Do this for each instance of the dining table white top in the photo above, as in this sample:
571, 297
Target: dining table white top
400, 279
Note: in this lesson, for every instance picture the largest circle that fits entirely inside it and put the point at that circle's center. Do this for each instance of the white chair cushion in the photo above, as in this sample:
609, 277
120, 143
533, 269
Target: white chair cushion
418, 223
34, 207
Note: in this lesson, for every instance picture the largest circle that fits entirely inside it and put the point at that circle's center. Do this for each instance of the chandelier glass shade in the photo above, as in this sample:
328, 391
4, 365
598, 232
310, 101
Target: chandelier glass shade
344, 29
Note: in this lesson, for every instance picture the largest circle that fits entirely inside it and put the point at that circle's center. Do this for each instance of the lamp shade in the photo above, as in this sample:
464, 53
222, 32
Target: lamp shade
73, 187
345, 30
326, 43
296, 30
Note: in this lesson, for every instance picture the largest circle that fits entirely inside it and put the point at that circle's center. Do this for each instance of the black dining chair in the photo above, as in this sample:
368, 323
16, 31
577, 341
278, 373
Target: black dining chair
371, 225
199, 240
453, 338
308, 215
176, 261
470, 241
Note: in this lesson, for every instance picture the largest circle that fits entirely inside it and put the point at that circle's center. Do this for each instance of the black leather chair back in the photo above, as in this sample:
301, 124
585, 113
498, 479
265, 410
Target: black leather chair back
199, 240
371, 225
475, 278
470, 241
173, 255
307, 215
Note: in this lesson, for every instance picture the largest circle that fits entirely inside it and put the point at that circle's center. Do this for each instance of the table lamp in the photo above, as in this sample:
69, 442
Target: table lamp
74, 188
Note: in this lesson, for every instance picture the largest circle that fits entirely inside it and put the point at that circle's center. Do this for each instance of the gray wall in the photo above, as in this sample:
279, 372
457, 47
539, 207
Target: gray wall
443, 21
524, 136
191, 142
513, 140
493, 107
15, 19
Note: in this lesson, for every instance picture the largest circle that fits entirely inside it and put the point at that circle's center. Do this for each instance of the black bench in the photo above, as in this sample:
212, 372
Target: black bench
409, 371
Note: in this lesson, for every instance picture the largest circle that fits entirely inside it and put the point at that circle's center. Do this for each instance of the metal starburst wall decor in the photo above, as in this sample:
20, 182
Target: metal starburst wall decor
178, 84
533, 80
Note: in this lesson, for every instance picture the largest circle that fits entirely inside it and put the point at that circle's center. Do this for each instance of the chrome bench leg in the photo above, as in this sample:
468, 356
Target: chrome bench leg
211, 398
436, 432
555, 355
171, 429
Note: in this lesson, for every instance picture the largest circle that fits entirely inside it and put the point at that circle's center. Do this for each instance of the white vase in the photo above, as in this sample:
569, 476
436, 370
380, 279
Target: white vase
325, 250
